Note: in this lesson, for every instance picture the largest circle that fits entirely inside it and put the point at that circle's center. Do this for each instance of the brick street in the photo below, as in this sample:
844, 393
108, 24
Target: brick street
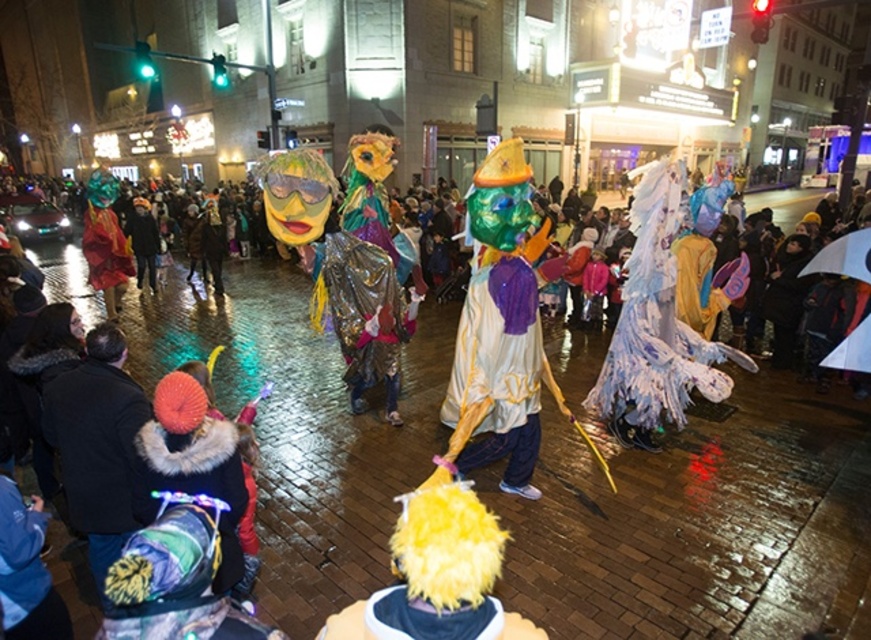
755, 527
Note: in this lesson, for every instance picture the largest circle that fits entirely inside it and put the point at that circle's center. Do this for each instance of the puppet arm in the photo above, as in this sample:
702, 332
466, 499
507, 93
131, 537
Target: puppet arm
469, 421
550, 383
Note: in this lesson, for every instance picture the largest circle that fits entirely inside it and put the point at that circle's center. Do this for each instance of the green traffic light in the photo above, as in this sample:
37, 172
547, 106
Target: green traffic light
221, 79
144, 66
147, 71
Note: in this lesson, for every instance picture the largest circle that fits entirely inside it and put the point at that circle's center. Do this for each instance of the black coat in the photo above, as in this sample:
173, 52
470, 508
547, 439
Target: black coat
145, 233
208, 463
92, 414
13, 414
32, 373
784, 298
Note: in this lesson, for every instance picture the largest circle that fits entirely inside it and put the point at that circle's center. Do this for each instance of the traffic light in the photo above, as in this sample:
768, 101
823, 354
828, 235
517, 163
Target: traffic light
144, 66
762, 21
263, 140
843, 111
221, 79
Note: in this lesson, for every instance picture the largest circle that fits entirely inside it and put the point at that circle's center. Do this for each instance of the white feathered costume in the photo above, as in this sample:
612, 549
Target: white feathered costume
655, 360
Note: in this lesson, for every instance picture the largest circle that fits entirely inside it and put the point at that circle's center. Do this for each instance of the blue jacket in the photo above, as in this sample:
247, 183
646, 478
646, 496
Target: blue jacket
24, 580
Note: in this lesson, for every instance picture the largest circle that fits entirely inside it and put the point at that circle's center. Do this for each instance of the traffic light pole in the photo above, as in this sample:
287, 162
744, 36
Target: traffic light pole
268, 69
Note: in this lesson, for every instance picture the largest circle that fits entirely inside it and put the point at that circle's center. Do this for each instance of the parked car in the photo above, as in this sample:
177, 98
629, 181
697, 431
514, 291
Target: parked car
31, 218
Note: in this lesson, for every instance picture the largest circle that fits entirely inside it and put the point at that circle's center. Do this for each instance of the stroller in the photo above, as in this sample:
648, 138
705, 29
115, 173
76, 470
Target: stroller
161, 585
455, 286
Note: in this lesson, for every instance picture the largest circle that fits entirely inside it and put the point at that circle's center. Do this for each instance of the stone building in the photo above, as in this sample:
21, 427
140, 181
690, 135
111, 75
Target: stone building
594, 86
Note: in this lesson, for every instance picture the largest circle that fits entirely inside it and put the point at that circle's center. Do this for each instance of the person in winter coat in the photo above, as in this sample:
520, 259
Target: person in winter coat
31, 608
91, 414
824, 327
186, 450
192, 228
616, 279
54, 346
214, 243
579, 256
27, 303
142, 228
784, 298
596, 288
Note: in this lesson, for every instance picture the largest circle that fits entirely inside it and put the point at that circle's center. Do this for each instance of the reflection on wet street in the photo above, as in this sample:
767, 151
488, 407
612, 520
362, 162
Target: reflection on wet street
756, 527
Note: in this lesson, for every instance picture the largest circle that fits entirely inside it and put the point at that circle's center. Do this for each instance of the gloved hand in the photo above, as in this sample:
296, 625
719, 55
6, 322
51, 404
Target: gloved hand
248, 414
373, 325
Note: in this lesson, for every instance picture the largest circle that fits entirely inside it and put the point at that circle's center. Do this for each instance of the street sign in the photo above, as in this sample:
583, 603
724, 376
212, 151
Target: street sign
279, 104
715, 28
493, 142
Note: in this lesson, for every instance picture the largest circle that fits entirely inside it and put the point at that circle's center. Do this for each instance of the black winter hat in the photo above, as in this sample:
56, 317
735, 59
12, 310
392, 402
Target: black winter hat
28, 299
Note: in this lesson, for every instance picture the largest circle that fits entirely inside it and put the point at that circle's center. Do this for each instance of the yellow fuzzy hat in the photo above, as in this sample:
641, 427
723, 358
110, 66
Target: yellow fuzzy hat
506, 165
449, 547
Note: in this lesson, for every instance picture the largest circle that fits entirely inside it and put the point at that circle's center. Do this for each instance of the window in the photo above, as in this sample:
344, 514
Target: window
789, 76
227, 13
786, 34
232, 51
296, 47
804, 81
813, 49
792, 40
536, 60
820, 90
781, 74
807, 44
464, 44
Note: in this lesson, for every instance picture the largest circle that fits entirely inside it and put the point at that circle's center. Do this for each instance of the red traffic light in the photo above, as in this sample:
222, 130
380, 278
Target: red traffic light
762, 21
761, 6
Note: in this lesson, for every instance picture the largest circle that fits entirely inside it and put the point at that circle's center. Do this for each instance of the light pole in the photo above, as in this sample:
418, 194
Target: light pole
576, 181
754, 120
78, 131
176, 113
787, 123
25, 148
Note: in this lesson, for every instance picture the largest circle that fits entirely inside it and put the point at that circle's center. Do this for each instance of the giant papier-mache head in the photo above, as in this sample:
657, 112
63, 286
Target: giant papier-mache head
298, 188
370, 163
707, 203
103, 189
449, 547
500, 211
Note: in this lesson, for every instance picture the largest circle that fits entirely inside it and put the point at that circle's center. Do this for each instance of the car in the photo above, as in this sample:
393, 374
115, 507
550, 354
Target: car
31, 218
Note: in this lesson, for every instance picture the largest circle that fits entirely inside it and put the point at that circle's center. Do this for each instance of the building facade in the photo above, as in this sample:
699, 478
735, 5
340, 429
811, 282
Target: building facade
593, 86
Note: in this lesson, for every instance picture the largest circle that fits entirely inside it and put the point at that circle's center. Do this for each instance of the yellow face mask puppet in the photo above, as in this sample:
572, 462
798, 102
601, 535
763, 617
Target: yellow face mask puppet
298, 188
373, 155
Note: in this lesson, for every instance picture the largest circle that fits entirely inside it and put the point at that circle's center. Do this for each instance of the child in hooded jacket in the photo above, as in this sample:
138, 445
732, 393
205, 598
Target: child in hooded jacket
249, 449
596, 276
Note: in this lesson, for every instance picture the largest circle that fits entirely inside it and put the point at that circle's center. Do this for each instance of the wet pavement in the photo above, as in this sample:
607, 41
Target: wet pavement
756, 527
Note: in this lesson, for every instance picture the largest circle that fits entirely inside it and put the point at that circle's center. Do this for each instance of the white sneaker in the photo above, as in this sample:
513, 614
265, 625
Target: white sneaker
529, 492
394, 419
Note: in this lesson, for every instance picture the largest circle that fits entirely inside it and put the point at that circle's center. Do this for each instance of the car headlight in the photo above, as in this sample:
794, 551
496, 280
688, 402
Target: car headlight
23, 225
65, 222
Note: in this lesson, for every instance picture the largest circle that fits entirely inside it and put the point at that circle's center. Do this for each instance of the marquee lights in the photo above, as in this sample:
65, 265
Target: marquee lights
106, 146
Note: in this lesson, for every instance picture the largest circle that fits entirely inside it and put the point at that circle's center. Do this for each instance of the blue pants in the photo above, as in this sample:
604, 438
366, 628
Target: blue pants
522, 443
103, 550
392, 388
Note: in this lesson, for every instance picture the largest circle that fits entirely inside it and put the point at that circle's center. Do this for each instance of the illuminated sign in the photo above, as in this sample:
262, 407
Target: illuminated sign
651, 31
641, 90
159, 140
106, 146
591, 86
715, 28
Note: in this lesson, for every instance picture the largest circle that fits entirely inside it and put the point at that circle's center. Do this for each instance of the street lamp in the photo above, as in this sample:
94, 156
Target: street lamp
25, 148
77, 130
175, 110
787, 123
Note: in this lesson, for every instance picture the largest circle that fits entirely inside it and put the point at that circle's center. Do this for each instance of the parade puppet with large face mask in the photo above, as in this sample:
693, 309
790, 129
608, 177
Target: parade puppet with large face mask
499, 362
103, 243
355, 268
655, 359
701, 294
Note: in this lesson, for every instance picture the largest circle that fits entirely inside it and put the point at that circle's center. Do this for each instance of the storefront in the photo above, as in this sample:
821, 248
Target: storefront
165, 146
